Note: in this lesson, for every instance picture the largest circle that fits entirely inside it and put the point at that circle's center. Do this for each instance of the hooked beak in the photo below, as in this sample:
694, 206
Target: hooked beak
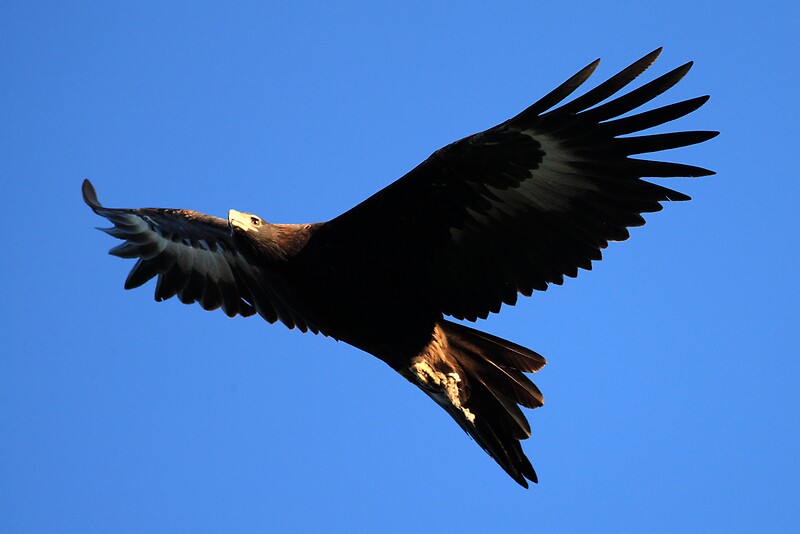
237, 219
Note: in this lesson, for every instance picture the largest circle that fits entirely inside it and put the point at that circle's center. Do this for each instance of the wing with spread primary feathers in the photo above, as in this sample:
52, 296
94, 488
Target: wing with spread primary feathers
194, 258
521, 205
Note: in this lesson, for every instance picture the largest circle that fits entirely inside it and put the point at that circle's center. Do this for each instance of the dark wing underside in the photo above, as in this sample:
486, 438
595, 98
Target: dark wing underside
194, 258
521, 205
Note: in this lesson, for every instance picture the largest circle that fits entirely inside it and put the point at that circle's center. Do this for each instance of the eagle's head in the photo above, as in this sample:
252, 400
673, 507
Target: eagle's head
244, 222
255, 237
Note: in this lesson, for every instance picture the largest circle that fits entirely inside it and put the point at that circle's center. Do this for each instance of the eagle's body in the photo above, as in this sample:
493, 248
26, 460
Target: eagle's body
506, 211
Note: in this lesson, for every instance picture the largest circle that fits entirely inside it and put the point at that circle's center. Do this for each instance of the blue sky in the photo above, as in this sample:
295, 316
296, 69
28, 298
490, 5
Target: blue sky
671, 384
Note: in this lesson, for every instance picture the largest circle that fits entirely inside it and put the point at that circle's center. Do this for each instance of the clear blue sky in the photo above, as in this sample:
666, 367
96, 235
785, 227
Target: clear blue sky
671, 388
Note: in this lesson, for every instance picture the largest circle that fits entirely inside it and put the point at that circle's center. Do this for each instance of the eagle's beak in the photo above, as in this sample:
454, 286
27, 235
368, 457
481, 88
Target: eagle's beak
237, 219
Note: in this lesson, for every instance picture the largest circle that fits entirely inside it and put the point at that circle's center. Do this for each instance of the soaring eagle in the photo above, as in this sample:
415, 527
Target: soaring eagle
506, 211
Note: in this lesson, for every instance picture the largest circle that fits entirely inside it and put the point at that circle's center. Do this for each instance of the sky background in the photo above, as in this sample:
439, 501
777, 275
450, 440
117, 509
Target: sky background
671, 385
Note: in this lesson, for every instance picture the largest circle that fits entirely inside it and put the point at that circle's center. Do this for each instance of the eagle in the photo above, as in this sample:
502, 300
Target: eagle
500, 213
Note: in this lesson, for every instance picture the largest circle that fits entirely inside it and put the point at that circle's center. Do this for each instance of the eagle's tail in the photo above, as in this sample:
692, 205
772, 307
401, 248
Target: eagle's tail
479, 379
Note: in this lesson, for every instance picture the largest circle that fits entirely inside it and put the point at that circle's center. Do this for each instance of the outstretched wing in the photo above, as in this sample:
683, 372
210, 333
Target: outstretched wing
521, 205
194, 258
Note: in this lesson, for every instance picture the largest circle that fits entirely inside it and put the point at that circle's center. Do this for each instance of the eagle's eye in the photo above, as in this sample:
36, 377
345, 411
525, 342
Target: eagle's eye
255, 221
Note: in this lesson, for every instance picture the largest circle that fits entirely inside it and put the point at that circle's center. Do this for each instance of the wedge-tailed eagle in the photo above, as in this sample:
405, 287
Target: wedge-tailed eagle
500, 213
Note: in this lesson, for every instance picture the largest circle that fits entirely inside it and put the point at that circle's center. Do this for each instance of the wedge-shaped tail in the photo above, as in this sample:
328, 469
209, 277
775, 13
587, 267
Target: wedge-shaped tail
479, 380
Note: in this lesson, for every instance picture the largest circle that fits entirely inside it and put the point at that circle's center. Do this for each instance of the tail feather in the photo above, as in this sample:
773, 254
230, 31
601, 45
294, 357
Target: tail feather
497, 438
515, 422
478, 379
507, 381
499, 351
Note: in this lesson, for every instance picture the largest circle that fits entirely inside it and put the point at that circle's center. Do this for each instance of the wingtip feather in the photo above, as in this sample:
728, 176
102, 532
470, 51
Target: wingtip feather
651, 57
90, 195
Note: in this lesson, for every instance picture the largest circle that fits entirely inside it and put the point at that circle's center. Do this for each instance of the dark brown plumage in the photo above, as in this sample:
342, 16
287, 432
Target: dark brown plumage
502, 212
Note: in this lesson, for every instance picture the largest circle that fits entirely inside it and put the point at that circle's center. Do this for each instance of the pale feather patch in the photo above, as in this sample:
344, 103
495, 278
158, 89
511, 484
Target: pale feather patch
440, 382
442, 385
